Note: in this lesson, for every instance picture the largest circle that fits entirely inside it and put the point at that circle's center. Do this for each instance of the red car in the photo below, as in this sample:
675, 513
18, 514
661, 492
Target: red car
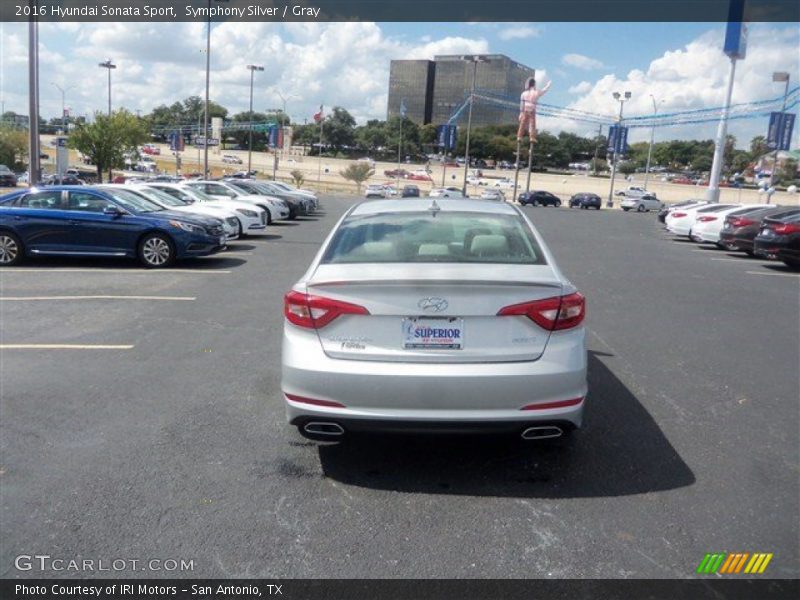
151, 149
402, 173
420, 177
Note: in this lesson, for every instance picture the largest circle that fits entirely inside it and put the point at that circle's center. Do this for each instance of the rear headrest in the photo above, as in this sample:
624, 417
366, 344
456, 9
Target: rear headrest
489, 245
381, 250
433, 250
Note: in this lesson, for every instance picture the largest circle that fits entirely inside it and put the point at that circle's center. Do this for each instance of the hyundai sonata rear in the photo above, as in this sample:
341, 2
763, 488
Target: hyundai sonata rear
434, 314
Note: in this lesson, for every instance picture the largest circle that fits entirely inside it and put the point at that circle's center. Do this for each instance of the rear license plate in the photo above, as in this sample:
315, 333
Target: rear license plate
426, 332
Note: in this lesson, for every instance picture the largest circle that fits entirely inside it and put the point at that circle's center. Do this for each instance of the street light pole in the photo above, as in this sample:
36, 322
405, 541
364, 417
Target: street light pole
253, 69
108, 65
652, 137
283, 113
778, 76
474, 59
63, 106
712, 193
34, 152
621, 99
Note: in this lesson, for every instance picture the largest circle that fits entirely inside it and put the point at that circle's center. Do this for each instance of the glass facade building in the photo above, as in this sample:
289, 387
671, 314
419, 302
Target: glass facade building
442, 85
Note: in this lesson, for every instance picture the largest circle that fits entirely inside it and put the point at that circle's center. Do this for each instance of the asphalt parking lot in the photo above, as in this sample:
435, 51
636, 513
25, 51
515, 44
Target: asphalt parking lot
160, 432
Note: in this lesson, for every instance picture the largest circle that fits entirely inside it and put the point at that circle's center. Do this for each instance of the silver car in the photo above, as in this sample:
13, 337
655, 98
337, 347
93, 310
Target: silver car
441, 314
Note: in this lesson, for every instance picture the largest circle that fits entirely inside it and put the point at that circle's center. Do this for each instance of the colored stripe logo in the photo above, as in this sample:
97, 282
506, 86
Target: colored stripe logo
733, 563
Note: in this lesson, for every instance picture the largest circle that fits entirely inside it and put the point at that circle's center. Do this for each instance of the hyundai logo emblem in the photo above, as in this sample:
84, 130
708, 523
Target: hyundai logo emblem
433, 303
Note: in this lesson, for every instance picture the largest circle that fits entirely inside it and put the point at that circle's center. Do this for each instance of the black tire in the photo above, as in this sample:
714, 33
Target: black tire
640, 208
269, 215
535, 203
557, 204
791, 263
156, 251
11, 249
625, 209
242, 232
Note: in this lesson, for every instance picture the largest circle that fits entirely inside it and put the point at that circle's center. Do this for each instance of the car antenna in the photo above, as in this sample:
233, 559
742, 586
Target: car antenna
434, 208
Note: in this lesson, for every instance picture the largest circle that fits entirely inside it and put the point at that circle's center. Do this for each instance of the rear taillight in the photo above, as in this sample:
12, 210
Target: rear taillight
560, 312
740, 222
707, 219
678, 215
786, 228
305, 310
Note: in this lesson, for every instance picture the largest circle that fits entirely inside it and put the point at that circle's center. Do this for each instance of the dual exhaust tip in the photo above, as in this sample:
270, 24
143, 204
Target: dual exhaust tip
333, 430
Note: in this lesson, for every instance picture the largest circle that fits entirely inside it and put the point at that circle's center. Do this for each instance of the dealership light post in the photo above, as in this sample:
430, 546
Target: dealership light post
34, 152
474, 59
778, 76
208, 85
652, 136
253, 69
283, 114
621, 99
108, 65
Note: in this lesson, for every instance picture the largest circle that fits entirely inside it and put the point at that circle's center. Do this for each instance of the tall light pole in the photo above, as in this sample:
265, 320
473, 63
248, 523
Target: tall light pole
208, 85
621, 99
108, 65
652, 136
253, 69
283, 110
778, 76
63, 106
34, 152
712, 193
474, 59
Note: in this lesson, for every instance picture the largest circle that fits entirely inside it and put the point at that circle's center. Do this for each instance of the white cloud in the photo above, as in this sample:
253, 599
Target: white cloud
519, 32
581, 62
344, 64
580, 88
696, 76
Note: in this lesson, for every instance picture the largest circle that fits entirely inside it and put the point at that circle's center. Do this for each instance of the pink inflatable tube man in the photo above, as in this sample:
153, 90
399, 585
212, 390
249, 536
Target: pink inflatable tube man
527, 108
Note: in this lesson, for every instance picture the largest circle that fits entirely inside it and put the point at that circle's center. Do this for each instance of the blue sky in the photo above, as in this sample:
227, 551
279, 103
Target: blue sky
347, 64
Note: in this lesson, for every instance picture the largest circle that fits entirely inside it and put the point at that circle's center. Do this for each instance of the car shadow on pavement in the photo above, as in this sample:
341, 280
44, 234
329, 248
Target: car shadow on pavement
206, 263
620, 451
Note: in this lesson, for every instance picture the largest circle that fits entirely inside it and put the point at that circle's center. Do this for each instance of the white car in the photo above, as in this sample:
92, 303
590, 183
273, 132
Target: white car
375, 191
449, 192
231, 159
221, 190
634, 191
644, 203
230, 224
681, 221
708, 227
251, 218
496, 195
504, 183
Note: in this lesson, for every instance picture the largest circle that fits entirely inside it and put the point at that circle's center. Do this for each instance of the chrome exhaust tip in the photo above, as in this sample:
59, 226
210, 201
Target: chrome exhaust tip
323, 428
545, 432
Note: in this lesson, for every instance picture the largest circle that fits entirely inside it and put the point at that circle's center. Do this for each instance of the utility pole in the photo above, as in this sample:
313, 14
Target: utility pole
712, 193
63, 106
34, 158
109, 65
596, 148
652, 137
253, 69
621, 99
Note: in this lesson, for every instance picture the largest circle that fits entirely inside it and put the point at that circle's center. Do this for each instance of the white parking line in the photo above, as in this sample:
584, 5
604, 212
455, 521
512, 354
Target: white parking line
131, 271
66, 346
747, 260
794, 275
33, 298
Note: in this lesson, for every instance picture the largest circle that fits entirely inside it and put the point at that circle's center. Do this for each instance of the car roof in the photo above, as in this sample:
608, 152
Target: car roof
445, 204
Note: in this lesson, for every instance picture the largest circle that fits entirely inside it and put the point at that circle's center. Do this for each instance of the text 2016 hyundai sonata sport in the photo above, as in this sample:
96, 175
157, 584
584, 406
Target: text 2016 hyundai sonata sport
434, 314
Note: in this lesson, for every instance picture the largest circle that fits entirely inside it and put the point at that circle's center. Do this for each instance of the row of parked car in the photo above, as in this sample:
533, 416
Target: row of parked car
157, 222
767, 231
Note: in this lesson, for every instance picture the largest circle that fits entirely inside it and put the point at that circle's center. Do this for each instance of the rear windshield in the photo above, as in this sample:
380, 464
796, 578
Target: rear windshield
416, 237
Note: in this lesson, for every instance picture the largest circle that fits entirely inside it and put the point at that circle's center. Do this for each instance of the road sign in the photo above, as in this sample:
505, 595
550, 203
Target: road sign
200, 141
779, 133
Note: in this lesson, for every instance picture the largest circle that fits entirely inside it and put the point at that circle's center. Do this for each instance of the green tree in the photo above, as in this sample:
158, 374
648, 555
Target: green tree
339, 129
627, 167
758, 147
242, 135
13, 147
358, 173
787, 172
372, 136
108, 139
702, 164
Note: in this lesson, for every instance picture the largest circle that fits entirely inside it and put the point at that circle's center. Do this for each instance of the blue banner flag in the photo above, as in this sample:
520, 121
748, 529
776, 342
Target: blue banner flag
779, 133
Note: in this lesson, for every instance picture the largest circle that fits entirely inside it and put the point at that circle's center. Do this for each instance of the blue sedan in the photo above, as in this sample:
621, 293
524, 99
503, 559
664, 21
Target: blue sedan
86, 221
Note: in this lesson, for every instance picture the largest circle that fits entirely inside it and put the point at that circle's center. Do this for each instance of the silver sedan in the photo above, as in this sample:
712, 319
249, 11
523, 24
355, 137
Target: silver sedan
434, 314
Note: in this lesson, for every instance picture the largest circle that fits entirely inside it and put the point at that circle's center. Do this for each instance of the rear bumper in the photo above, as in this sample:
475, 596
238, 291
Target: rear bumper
483, 396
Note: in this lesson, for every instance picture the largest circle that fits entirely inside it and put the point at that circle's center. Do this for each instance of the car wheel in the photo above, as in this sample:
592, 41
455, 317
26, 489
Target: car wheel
535, 203
269, 215
242, 232
791, 263
10, 249
156, 251
640, 208
625, 209
557, 203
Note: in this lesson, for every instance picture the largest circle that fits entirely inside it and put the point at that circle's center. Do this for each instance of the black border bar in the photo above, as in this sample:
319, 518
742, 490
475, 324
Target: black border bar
399, 10
405, 589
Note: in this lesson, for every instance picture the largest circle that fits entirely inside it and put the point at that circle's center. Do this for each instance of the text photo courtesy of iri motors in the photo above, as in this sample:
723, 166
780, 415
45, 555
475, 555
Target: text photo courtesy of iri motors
399, 300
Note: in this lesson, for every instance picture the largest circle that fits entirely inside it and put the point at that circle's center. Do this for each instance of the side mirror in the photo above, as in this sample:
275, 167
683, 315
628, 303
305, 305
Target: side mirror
112, 211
